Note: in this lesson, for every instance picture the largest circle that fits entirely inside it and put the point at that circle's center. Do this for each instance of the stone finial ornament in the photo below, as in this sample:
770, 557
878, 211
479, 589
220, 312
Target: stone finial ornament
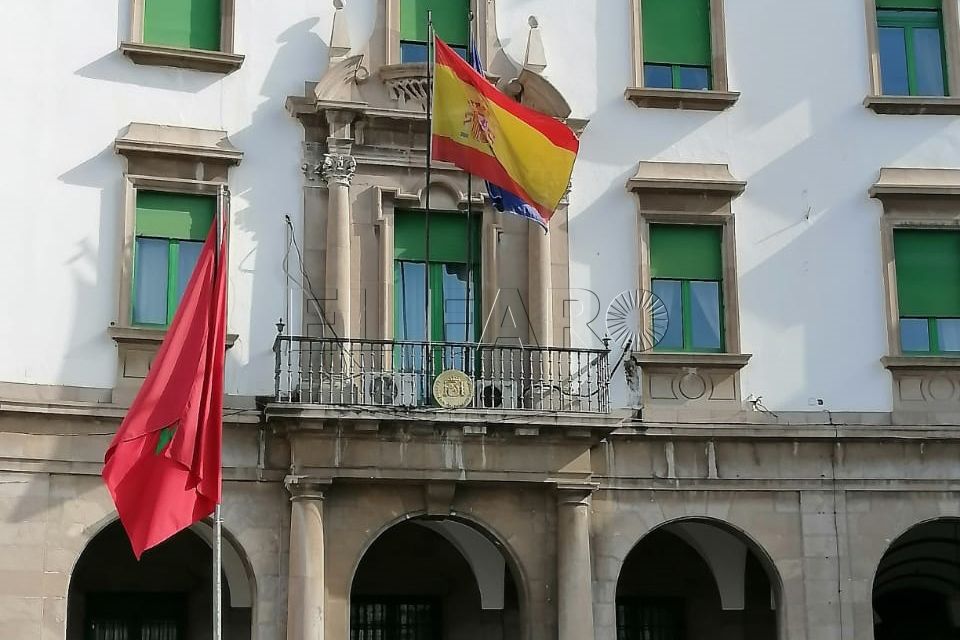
340, 33
535, 58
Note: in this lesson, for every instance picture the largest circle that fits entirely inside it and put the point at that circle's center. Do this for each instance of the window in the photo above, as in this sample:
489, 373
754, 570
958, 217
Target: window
135, 616
190, 24
451, 273
928, 290
392, 619
911, 47
451, 20
676, 44
650, 619
686, 269
170, 230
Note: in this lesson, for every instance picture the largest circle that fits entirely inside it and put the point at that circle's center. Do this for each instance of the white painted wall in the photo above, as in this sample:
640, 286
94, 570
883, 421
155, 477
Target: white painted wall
808, 235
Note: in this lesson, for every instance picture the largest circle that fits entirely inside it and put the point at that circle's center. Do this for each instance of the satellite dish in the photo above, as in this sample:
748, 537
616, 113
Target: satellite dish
637, 320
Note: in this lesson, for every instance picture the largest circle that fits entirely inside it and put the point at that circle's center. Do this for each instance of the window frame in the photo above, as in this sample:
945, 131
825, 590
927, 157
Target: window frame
435, 276
913, 104
729, 314
134, 184
392, 39
909, 25
893, 225
173, 262
222, 60
716, 98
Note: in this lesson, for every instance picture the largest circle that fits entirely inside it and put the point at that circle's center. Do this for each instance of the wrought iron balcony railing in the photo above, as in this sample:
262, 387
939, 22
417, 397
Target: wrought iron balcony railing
384, 373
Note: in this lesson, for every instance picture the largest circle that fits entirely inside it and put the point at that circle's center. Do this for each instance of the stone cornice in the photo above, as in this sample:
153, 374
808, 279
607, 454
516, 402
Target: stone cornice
162, 140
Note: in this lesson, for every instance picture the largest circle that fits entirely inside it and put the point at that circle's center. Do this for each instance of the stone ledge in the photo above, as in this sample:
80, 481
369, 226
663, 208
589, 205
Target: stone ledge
147, 336
924, 363
733, 361
693, 100
197, 59
913, 105
298, 415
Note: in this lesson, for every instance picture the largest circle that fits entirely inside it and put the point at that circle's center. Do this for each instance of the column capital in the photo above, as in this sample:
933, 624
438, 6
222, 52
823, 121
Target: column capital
305, 488
338, 168
575, 494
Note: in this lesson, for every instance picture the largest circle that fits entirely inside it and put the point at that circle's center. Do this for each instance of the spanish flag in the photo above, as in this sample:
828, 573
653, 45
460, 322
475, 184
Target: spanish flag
484, 132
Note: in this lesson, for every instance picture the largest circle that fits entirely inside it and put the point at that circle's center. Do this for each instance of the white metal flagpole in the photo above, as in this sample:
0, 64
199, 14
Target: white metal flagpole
224, 199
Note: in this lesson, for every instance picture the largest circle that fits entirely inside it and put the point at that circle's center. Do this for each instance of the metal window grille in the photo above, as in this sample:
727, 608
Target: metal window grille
392, 619
650, 619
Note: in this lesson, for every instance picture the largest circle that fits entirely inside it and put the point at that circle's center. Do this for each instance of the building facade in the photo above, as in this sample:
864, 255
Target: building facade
716, 400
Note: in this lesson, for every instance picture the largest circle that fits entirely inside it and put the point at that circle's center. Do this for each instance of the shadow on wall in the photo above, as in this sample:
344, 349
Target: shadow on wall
260, 220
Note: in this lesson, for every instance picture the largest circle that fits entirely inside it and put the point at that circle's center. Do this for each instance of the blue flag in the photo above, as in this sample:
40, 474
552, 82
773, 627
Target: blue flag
502, 199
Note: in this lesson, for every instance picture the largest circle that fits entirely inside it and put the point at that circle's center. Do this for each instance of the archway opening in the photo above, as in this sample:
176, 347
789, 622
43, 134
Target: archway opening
167, 595
695, 579
433, 579
916, 591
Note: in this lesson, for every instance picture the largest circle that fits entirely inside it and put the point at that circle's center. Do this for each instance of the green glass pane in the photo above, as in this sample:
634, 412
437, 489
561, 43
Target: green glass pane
194, 24
179, 216
908, 4
450, 20
676, 31
928, 272
448, 236
686, 252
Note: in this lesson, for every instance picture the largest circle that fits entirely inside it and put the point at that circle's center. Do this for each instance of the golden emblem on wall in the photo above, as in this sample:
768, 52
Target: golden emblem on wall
453, 389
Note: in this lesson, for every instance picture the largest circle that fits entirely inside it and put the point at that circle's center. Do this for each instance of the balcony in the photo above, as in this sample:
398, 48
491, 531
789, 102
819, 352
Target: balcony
407, 376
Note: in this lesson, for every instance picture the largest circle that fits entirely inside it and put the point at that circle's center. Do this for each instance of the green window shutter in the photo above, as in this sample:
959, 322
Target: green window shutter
448, 236
450, 18
908, 4
676, 32
928, 272
686, 252
179, 216
193, 24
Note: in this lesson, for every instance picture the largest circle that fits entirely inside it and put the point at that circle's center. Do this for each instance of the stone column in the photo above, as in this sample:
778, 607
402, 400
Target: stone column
574, 575
305, 578
540, 280
337, 171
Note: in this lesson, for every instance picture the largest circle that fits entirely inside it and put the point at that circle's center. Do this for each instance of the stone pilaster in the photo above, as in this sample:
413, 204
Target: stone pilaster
540, 286
574, 574
305, 587
337, 171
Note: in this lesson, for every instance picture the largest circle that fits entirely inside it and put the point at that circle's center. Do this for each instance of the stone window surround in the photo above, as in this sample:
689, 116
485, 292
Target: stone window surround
689, 382
910, 198
679, 188
915, 105
716, 99
223, 61
163, 158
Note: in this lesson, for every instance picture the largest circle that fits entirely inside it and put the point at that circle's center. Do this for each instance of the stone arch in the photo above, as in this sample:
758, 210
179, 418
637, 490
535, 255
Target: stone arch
445, 193
738, 569
240, 593
915, 590
474, 548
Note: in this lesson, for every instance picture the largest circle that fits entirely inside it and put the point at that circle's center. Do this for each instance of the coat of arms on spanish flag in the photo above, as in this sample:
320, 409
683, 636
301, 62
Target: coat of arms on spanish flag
488, 134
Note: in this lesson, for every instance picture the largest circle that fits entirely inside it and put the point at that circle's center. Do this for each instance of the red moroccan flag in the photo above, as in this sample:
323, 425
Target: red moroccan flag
163, 466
